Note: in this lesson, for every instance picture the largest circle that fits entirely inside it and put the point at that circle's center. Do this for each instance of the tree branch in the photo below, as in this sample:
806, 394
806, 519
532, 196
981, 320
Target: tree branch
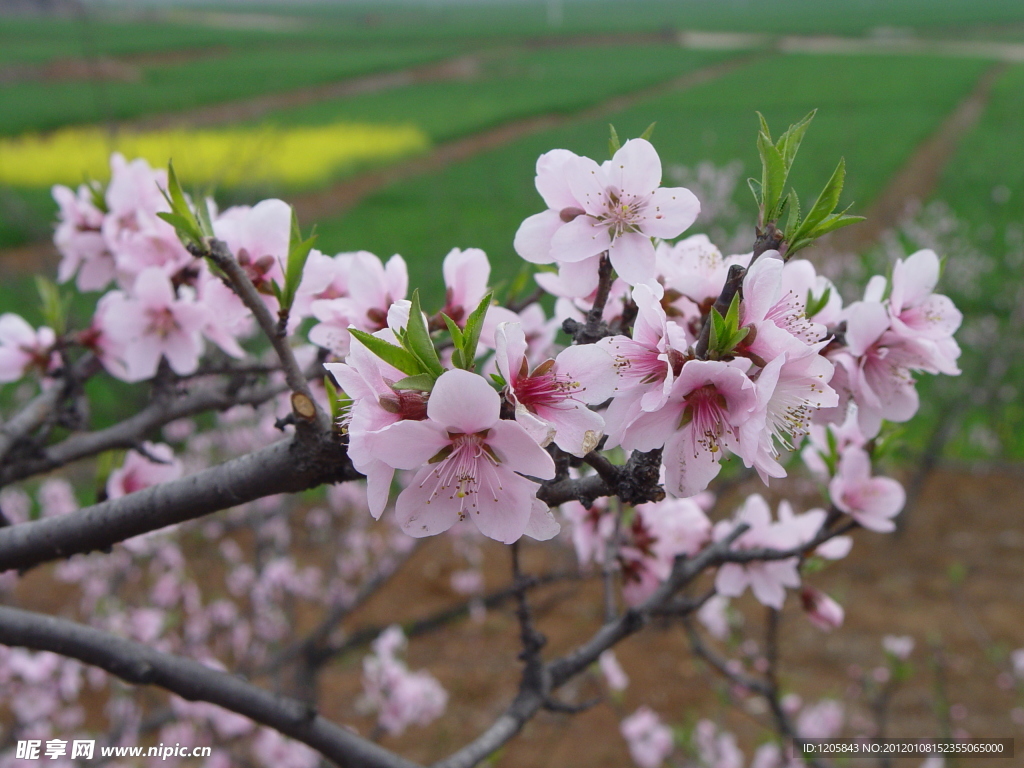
288, 466
141, 665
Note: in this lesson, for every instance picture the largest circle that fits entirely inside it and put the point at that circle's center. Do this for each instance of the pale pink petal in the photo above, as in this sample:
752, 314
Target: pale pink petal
670, 212
505, 515
509, 350
635, 169
580, 239
518, 450
535, 235
420, 515
865, 322
593, 368
731, 580
463, 402
542, 525
632, 255
551, 180
688, 471
587, 183
407, 444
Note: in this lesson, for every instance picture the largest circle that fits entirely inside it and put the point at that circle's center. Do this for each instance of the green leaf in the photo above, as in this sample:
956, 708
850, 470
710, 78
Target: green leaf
423, 382
417, 338
471, 333
755, 188
98, 195
773, 177
389, 353
826, 202
499, 380
179, 206
614, 145
454, 330
732, 315
793, 221
186, 229
298, 254
55, 307
789, 142
764, 126
205, 222
834, 222
648, 132
814, 305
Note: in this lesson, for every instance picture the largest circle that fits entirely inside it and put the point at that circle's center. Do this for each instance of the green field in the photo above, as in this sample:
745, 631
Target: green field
34, 106
481, 202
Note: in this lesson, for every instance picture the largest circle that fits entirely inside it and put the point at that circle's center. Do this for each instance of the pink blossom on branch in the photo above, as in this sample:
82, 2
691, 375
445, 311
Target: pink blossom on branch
650, 740
551, 400
616, 207
22, 347
871, 501
470, 464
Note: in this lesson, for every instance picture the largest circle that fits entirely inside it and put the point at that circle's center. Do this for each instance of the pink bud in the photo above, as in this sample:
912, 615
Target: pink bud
824, 612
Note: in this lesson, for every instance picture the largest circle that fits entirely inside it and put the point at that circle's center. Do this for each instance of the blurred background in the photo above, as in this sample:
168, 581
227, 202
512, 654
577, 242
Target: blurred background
414, 127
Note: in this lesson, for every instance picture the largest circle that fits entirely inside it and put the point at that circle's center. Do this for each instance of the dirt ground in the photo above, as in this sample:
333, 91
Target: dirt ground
953, 580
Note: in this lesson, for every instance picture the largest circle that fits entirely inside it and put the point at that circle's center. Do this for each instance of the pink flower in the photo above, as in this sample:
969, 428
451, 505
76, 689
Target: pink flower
613, 673
80, 241
646, 364
325, 277
709, 402
592, 529
136, 236
373, 288
551, 401
915, 308
367, 380
467, 460
399, 697
650, 741
466, 274
616, 207
824, 612
898, 646
23, 348
823, 720
139, 471
871, 501
154, 323
258, 237
714, 615
717, 748
768, 579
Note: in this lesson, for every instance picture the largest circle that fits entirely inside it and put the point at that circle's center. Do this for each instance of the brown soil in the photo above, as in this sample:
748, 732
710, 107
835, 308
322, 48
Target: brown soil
890, 584
121, 68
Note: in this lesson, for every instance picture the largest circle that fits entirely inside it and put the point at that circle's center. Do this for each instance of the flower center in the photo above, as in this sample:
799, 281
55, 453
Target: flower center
465, 468
706, 410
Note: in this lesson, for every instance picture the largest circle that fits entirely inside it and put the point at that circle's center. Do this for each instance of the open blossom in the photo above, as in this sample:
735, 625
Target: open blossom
616, 207
470, 464
80, 240
767, 579
466, 274
22, 347
152, 323
915, 308
710, 400
258, 237
871, 501
650, 740
716, 748
399, 697
142, 470
551, 400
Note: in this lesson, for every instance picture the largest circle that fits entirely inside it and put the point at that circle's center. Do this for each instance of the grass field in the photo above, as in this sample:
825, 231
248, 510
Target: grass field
482, 201
35, 106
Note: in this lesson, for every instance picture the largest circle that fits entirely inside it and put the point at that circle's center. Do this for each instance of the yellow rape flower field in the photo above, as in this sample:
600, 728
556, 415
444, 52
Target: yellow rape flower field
294, 156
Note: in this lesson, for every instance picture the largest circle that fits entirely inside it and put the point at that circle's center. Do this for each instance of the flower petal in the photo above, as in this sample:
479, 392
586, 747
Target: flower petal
463, 402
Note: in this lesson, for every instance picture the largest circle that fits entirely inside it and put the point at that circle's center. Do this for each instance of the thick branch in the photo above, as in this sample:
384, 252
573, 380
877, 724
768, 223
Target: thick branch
139, 664
288, 466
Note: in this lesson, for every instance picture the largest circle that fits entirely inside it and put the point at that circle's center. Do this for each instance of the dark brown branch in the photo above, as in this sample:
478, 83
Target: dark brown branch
288, 466
141, 665
595, 328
